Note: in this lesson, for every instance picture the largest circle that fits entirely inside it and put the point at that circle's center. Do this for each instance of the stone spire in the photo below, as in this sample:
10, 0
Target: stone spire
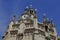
12, 22
52, 22
48, 20
13, 18
44, 19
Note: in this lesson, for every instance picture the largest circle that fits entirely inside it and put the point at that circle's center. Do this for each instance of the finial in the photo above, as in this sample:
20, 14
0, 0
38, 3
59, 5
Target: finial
30, 6
13, 18
51, 20
35, 9
26, 6
48, 19
26, 9
44, 18
44, 14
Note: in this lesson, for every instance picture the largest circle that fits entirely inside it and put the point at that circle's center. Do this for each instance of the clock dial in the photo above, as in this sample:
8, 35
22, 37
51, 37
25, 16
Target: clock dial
24, 16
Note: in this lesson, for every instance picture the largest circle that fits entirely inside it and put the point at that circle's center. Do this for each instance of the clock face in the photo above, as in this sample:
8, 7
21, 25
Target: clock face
24, 16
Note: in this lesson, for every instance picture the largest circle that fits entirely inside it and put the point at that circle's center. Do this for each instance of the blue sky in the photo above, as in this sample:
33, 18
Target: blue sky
8, 8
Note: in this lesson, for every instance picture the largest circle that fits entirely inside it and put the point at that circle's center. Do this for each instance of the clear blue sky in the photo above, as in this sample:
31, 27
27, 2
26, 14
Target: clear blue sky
8, 8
